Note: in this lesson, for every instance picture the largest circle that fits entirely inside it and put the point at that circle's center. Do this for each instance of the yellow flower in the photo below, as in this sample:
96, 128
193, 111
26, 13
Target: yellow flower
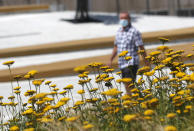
37, 82
47, 108
80, 69
128, 58
40, 102
53, 85
28, 123
95, 64
68, 87
104, 67
59, 104
111, 92
163, 48
55, 89
159, 67
155, 53
93, 90
171, 115
123, 53
151, 73
95, 99
62, 118
32, 72
88, 126
162, 120
112, 100
189, 55
188, 107
162, 39
128, 118
82, 75
27, 76
119, 80
30, 92
48, 99
173, 72
17, 88
172, 95
109, 70
167, 60
178, 111
14, 128
182, 92
41, 95
163, 78
28, 112
191, 69
127, 102
153, 101
65, 99
1, 97
170, 128
17, 92
72, 119
8, 63
108, 79
45, 120
63, 92
81, 92
47, 82
118, 73
149, 112
180, 74
53, 93
147, 117
125, 97
126, 80
143, 70
17, 77
79, 103
135, 95
29, 129
141, 51
11, 97
134, 90
186, 111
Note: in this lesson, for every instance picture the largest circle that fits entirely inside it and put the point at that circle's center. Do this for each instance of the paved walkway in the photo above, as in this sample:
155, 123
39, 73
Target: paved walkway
77, 45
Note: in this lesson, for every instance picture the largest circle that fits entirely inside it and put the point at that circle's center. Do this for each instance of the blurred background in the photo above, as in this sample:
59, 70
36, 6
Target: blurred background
157, 7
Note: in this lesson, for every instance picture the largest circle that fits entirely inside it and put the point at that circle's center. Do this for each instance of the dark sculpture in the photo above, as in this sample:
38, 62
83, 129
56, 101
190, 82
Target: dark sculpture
1, 2
82, 10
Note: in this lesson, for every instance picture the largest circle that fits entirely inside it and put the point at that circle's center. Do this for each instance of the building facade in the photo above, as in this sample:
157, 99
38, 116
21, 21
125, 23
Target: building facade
170, 7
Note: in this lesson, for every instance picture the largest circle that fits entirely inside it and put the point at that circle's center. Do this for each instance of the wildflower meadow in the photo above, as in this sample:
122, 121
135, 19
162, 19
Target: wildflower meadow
161, 99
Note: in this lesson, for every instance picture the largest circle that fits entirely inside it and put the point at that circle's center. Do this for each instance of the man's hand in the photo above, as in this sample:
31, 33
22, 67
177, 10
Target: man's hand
110, 64
147, 63
114, 53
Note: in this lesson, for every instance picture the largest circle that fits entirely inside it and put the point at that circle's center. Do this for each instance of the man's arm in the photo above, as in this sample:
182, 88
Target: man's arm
144, 54
114, 53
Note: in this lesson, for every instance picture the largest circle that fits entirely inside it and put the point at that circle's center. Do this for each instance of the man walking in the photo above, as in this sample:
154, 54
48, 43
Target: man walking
128, 39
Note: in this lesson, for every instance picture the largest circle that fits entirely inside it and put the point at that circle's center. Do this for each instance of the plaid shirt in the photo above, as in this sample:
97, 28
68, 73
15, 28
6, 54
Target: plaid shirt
128, 40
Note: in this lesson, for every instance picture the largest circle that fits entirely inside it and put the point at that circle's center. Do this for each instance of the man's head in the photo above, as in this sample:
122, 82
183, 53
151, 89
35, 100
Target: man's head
125, 19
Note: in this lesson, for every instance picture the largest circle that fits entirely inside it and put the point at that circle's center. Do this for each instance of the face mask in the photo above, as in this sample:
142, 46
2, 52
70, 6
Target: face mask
124, 22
